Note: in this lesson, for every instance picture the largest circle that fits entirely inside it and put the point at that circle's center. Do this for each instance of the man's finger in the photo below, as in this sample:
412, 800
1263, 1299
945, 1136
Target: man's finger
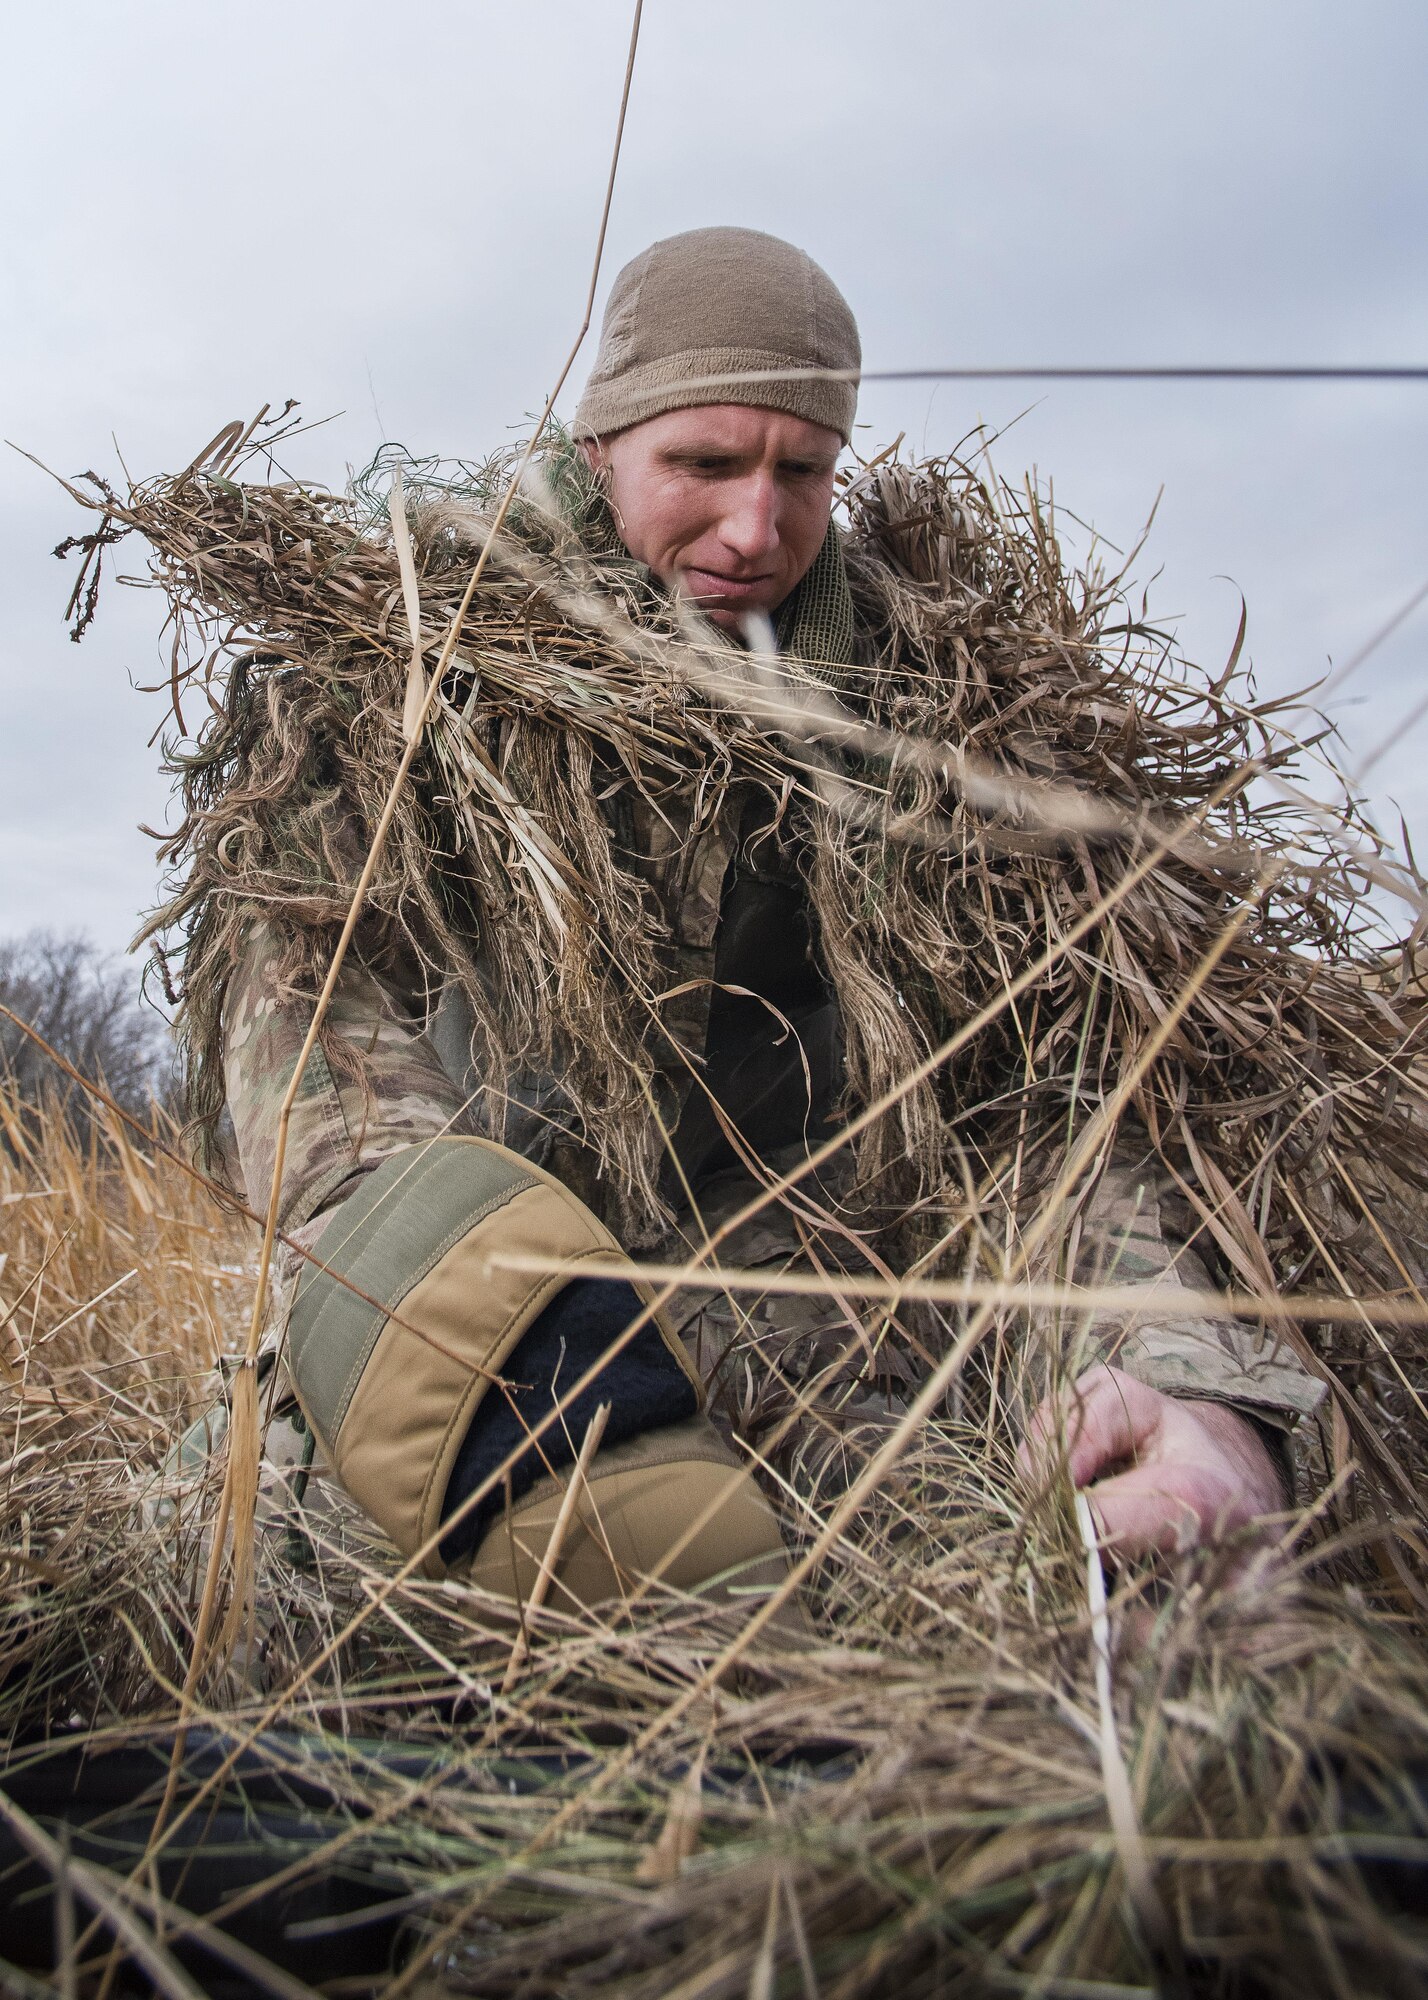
1109, 1416
1145, 1512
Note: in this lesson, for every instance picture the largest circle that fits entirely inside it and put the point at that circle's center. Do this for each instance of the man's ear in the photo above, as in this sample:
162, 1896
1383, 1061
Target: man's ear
594, 456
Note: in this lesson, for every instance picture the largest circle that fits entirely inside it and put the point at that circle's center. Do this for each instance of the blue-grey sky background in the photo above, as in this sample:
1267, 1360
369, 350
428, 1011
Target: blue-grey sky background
389, 213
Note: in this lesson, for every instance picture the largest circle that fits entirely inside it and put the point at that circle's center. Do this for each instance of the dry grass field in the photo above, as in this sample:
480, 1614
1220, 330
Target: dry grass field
949, 1789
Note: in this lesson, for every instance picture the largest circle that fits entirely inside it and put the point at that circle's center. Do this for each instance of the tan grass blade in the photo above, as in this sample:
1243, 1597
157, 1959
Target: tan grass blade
414, 700
679, 1836
545, 1576
1120, 1798
1137, 1302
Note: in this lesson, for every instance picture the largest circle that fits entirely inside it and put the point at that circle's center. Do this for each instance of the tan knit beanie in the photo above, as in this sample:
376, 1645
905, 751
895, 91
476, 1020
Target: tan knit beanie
721, 302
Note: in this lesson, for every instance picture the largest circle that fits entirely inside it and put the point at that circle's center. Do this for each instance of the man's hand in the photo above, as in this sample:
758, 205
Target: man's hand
1162, 1475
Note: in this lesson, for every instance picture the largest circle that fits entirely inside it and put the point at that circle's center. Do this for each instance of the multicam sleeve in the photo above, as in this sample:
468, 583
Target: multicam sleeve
1125, 1234
383, 1089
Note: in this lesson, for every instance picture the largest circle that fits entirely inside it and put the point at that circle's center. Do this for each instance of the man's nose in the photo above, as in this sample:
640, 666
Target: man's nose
749, 526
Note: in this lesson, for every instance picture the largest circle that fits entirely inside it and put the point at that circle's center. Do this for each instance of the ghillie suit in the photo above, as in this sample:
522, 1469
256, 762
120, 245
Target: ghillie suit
962, 749
965, 1726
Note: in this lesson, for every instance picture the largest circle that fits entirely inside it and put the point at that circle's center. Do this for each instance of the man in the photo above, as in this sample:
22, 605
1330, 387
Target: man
721, 398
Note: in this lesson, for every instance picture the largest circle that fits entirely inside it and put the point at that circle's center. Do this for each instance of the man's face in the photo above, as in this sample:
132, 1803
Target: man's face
727, 505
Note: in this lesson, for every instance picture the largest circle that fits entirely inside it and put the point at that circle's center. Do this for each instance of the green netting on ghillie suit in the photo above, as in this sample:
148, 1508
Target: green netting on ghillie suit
1002, 744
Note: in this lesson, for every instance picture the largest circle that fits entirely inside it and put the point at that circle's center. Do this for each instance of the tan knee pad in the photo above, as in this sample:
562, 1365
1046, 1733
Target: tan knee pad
670, 1508
392, 1365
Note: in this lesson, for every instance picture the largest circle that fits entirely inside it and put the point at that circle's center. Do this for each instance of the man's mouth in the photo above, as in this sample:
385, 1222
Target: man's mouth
705, 586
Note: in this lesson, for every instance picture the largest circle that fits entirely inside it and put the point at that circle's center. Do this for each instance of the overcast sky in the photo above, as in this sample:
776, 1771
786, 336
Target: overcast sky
389, 212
